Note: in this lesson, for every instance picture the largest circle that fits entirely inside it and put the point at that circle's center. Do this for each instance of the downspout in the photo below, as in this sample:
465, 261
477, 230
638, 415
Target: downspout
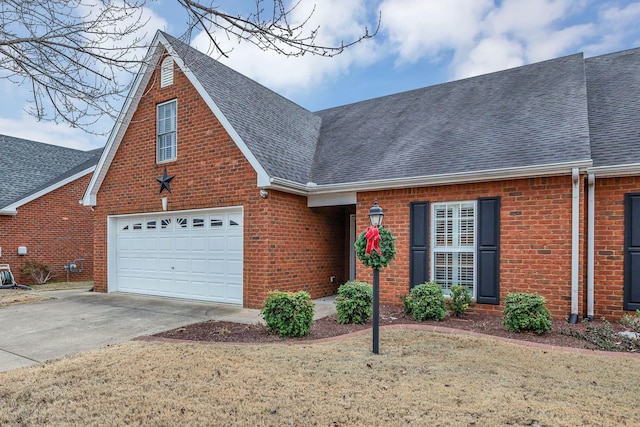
591, 180
575, 241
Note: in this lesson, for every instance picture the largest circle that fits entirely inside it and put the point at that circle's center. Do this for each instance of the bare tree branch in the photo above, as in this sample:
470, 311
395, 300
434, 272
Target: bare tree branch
79, 56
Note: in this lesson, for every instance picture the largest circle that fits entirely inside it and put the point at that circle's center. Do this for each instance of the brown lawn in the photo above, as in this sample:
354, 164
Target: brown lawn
21, 296
420, 378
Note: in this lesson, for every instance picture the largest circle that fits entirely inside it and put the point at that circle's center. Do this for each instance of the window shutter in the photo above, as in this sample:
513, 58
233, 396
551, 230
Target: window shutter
488, 246
632, 251
419, 242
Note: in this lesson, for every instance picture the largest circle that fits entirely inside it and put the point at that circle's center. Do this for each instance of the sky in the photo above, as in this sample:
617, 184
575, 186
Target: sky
419, 43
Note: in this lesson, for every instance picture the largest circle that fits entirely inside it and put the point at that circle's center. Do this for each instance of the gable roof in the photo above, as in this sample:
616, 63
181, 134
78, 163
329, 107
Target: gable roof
31, 169
613, 83
540, 119
281, 134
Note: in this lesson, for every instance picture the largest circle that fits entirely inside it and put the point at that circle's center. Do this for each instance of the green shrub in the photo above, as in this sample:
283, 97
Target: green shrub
426, 301
460, 300
526, 312
354, 302
290, 314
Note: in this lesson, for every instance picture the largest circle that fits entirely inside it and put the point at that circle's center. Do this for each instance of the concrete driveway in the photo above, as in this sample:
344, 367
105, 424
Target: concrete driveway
77, 320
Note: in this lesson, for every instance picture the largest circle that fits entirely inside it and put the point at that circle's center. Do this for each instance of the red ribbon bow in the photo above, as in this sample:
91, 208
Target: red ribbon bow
373, 239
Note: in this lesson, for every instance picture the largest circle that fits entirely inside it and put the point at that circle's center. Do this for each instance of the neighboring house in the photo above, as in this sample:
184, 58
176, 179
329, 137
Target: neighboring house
41, 187
486, 182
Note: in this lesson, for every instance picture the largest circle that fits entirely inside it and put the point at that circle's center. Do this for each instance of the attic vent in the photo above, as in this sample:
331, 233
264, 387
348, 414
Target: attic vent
166, 72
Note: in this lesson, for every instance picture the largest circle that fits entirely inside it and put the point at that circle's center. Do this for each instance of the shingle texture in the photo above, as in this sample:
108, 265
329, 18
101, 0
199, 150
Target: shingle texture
280, 134
613, 83
565, 110
526, 116
29, 166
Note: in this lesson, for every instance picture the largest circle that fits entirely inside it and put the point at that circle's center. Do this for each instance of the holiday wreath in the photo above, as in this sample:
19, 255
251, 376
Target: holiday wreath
376, 254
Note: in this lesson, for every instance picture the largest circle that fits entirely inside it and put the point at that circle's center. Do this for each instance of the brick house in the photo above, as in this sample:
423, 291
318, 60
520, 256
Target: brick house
40, 189
213, 187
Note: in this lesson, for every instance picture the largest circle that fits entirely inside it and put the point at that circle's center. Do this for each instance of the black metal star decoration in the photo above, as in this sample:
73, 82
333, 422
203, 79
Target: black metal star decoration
165, 181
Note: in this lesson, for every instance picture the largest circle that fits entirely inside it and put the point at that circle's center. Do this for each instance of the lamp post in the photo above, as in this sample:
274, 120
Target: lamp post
375, 217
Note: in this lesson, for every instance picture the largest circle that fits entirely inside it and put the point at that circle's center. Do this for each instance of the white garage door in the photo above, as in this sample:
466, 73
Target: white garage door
190, 254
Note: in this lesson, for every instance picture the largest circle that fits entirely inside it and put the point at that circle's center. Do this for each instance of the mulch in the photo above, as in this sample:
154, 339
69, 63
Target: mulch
328, 327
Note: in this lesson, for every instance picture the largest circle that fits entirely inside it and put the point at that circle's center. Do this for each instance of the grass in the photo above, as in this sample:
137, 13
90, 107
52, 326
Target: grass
21, 296
420, 378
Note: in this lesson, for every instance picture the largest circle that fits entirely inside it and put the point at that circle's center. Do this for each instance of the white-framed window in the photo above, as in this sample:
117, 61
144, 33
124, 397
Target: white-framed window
453, 237
167, 131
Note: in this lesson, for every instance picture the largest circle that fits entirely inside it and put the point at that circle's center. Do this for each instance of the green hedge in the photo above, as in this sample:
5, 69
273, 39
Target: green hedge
354, 302
290, 314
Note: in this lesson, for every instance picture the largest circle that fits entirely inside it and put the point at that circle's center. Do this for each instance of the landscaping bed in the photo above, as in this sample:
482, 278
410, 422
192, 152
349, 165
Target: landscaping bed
326, 327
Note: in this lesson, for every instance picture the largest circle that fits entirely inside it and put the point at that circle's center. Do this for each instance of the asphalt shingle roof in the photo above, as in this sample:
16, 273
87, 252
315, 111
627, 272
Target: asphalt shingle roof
281, 134
29, 166
613, 84
526, 116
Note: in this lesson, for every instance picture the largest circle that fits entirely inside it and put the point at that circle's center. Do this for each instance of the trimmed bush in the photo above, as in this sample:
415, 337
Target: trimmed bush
290, 314
526, 312
426, 301
460, 300
354, 302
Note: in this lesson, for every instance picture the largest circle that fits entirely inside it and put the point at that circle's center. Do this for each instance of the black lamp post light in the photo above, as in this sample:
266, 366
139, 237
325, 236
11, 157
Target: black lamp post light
376, 249
375, 217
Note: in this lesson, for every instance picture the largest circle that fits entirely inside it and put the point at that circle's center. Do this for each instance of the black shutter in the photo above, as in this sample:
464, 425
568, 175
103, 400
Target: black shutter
419, 243
488, 246
632, 251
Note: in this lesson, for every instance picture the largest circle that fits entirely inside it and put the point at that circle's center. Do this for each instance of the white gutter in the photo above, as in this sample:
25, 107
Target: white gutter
591, 180
618, 170
575, 243
429, 180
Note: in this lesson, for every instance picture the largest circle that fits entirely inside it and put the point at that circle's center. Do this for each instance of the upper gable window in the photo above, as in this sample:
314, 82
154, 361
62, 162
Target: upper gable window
167, 140
166, 72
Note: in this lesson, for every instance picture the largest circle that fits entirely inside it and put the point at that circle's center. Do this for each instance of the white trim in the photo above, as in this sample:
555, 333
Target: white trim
352, 249
175, 131
448, 249
122, 122
140, 83
331, 199
617, 170
431, 180
263, 177
12, 208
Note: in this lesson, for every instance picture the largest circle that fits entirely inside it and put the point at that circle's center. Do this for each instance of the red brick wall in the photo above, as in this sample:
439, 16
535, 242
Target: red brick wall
535, 226
55, 228
210, 171
609, 244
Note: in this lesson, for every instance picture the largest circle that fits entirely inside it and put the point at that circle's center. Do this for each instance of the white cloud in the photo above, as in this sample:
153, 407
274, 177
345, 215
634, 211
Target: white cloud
426, 28
485, 36
491, 54
27, 127
338, 21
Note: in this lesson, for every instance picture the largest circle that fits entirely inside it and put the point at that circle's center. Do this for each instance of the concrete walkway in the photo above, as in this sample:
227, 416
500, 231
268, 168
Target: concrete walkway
76, 320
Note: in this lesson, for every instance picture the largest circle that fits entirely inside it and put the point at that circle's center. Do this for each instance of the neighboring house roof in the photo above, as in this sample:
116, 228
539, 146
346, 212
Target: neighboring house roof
31, 169
613, 83
533, 120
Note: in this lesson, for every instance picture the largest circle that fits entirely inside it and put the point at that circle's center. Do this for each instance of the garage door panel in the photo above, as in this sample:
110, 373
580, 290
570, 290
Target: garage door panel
234, 268
195, 255
234, 244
